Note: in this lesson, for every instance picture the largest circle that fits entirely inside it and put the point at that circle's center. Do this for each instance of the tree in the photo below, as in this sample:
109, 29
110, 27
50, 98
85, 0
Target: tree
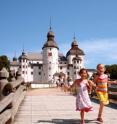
112, 70
4, 62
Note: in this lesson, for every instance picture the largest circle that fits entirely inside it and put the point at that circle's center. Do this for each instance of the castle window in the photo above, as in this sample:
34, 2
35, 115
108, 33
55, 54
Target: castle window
23, 72
31, 73
49, 68
39, 73
39, 67
23, 66
67, 73
50, 49
74, 67
75, 72
49, 54
60, 67
67, 67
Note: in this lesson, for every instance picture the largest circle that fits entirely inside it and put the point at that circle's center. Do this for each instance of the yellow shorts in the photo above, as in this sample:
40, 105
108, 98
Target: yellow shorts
103, 97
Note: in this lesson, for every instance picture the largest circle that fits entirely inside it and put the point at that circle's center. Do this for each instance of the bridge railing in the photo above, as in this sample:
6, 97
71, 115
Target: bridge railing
112, 91
11, 95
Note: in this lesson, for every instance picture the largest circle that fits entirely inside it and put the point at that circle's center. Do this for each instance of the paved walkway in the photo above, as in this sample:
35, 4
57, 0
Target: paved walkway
52, 106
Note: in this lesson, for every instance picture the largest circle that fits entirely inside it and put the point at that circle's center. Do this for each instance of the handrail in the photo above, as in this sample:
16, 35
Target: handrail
11, 96
16, 83
6, 101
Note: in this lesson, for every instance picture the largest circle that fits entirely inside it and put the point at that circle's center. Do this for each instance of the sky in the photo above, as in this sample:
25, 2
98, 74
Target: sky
25, 23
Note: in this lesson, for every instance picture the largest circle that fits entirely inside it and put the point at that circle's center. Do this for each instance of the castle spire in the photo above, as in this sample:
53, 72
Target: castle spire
23, 51
74, 37
15, 54
15, 58
23, 48
50, 26
74, 42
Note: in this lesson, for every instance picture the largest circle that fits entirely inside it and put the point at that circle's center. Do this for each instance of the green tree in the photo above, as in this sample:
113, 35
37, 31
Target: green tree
112, 70
4, 62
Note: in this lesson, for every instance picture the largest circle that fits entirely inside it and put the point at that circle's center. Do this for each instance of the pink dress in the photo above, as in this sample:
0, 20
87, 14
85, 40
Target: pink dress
83, 101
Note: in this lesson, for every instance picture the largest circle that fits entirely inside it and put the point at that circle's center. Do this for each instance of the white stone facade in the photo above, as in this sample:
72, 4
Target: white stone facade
48, 65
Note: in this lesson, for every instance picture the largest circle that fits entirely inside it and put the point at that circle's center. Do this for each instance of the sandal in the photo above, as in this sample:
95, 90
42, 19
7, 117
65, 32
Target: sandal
99, 119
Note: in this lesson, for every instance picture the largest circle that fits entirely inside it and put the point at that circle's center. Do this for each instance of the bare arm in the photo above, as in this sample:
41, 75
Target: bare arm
74, 83
112, 82
91, 83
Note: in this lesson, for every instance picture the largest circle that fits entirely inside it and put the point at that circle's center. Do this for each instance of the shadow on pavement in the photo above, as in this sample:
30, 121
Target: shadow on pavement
65, 121
111, 105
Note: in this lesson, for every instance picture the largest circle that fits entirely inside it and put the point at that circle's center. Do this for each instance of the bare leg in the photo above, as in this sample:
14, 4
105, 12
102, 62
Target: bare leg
82, 117
100, 112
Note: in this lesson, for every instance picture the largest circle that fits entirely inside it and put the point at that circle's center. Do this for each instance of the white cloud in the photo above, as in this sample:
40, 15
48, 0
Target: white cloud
100, 45
96, 50
100, 51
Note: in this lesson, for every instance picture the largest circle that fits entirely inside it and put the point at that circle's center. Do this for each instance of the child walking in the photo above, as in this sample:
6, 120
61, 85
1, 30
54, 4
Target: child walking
83, 103
101, 81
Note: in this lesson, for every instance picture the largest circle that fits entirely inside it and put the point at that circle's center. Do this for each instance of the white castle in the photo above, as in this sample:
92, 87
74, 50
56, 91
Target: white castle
50, 65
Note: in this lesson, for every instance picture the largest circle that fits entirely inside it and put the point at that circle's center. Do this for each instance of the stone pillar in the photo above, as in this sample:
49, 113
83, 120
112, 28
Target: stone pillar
12, 74
18, 74
5, 86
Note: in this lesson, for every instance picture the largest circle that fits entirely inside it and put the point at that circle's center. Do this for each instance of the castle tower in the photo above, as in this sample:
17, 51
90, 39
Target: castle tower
75, 51
76, 67
75, 57
24, 66
50, 57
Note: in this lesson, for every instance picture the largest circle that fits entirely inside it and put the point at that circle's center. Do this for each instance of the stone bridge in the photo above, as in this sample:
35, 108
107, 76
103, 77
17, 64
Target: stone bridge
44, 106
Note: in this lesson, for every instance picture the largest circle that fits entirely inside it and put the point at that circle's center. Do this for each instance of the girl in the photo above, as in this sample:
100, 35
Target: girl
83, 103
101, 81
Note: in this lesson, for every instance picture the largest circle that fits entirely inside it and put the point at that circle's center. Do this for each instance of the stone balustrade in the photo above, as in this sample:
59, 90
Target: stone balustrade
11, 95
113, 91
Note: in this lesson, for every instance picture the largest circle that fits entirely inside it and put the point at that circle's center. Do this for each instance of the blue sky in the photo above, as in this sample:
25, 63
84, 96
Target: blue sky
26, 23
